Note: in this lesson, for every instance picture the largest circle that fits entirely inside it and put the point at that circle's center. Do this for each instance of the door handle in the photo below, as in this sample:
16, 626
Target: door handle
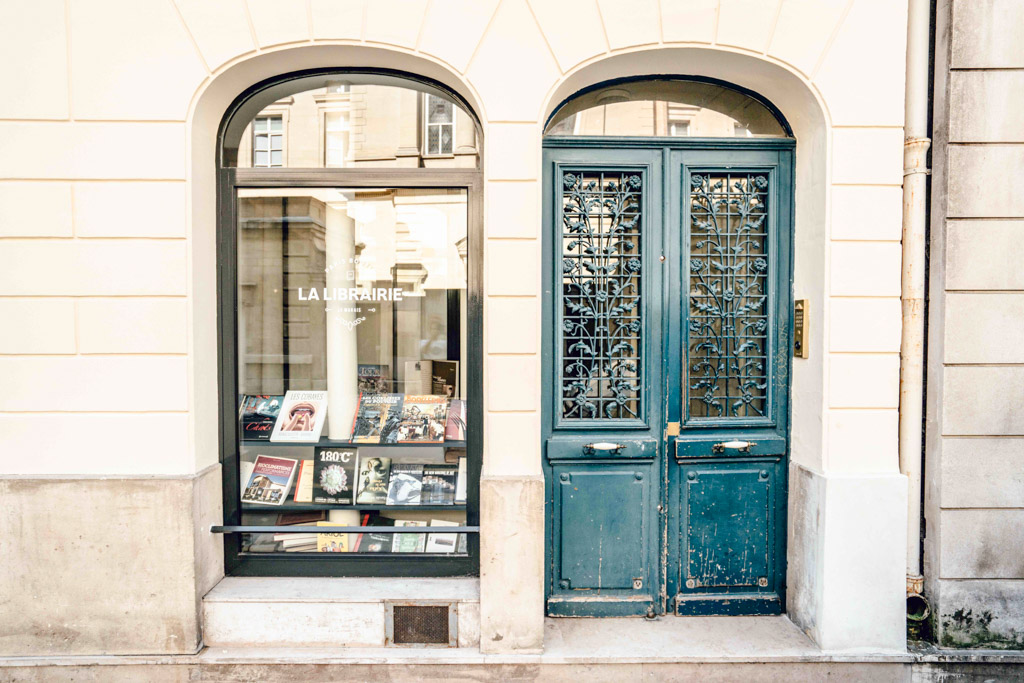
743, 446
606, 446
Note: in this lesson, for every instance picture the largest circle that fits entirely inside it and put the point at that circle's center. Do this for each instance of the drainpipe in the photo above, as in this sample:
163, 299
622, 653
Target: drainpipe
915, 171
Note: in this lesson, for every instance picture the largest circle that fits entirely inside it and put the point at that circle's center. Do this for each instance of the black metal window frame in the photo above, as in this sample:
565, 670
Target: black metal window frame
230, 181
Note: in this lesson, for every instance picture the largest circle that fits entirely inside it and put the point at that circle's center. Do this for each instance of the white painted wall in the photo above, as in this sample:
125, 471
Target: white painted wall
107, 219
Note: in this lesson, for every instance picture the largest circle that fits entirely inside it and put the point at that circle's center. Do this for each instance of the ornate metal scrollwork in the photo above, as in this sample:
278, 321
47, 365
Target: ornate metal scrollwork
729, 319
601, 342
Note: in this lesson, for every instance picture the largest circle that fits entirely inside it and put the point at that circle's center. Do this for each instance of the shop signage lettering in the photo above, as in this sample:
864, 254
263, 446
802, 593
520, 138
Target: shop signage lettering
350, 294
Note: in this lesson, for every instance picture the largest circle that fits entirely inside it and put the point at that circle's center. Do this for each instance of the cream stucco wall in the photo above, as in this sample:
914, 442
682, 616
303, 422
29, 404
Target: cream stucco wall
107, 226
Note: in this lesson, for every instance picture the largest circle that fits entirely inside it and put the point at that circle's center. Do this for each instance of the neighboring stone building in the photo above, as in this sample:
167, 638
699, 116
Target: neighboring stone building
975, 455
653, 246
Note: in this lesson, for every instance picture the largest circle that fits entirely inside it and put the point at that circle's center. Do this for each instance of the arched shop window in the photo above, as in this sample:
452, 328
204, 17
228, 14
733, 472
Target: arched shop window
350, 289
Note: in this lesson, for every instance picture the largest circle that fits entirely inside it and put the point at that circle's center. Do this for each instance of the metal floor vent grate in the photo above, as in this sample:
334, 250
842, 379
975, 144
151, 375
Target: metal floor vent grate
421, 625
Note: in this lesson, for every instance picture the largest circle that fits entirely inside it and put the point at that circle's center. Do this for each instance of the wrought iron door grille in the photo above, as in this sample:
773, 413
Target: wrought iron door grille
729, 265
601, 331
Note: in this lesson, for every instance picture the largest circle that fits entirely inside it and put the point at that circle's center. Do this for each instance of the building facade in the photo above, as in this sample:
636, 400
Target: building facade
618, 220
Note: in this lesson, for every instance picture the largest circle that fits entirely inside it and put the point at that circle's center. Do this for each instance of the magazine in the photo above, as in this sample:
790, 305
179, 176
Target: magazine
438, 485
373, 481
374, 379
423, 419
409, 543
406, 483
304, 483
373, 541
455, 428
270, 480
461, 481
257, 415
302, 416
334, 475
442, 543
377, 418
444, 378
331, 543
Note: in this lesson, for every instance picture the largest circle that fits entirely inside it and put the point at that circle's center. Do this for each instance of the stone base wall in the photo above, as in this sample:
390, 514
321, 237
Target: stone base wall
106, 566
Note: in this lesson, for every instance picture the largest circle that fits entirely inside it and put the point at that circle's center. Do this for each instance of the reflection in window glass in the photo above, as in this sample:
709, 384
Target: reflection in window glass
268, 141
675, 108
440, 125
355, 297
353, 125
335, 139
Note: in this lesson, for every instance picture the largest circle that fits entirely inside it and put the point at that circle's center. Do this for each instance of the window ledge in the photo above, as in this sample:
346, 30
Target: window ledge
347, 589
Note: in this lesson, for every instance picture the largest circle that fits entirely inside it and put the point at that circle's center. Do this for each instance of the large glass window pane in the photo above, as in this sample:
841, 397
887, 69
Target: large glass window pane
666, 108
352, 367
371, 121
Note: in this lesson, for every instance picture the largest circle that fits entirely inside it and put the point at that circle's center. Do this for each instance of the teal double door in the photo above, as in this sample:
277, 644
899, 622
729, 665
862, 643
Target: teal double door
667, 289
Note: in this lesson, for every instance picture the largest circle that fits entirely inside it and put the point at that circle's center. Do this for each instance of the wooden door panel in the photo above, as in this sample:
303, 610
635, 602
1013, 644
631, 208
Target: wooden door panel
603, 527
726, 534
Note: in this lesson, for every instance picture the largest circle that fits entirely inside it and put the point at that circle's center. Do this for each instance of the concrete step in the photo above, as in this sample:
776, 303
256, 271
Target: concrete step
243, 612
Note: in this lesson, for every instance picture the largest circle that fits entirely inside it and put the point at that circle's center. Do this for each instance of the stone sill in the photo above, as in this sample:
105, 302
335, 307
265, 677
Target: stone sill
352, 590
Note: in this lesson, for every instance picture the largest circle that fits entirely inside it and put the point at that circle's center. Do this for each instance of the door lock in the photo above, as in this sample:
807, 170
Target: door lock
742, 446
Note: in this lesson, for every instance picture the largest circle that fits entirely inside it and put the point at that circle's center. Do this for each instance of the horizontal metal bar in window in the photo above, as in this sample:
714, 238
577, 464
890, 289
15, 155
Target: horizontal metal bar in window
243, 529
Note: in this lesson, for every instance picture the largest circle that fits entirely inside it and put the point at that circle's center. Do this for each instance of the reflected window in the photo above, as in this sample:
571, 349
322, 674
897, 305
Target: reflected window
670, 108
268, 141
440, 123
364, 121
336, 139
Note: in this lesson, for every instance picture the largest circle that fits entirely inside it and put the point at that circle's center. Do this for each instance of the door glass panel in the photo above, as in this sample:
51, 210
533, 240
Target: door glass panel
677, 108
601, 265
729, 266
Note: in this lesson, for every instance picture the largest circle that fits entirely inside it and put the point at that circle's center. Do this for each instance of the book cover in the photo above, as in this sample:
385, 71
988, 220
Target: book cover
331, 543
409, 543
364, 520
302, 416
334, 475
270, 480
244, 473
373, 541
303, 518
444, 378
304, 482
461, 480
373, 379
423, 419
258, 414
438, 485
455, 427
377, 418
406, 484
346, 518
417, 377
442, 543
373, 479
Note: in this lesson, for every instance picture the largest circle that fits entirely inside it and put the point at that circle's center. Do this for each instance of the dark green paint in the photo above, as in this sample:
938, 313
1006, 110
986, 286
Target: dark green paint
662, 509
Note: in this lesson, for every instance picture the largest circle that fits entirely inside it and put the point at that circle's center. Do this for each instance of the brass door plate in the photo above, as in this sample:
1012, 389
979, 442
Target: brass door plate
800, 337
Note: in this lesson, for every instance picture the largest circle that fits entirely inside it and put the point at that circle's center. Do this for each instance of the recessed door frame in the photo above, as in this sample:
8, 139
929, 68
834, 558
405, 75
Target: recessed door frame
651, 451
